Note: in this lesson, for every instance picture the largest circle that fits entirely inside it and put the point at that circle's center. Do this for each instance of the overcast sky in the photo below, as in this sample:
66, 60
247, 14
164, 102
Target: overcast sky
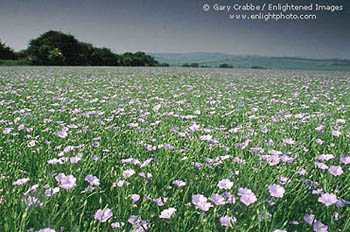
176, 26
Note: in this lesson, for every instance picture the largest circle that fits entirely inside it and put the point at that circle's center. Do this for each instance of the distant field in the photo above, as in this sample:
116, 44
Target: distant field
215, 59
174, 149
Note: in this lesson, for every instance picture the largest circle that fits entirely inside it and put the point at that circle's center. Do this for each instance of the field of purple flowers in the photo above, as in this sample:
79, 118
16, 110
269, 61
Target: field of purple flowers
172, 149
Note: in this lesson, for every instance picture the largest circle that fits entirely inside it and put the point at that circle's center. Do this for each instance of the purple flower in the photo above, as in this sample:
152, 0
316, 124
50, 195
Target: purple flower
340, 121
194, 127
93, 180
133, 125
272, 159
7, 131
63, 133
33, 201
46, 230
309, 218
68, 149
206, 138
66, 182
115, 225
247, 196
317, 191
160, 201
31, 143
321, 165
336, 133
179, 183
230, 198
227, 221
335, 170
20, 181
286, 159
274, 152
276, 190
345, 159
75, 159
225, 184
52, 191
119, 183
167, 213
320, 227
168, 147
200, 202
155, 108
134, 220
139, 224
289, 141
135, 197
325, 157
217, 199
320, 128
128, 173
328, 199
103, 215
146, 163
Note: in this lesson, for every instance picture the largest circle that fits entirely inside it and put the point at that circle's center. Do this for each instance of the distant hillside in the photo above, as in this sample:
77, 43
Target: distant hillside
215, 59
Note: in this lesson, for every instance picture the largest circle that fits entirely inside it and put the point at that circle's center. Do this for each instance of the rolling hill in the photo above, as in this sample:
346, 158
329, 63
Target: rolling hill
215, 59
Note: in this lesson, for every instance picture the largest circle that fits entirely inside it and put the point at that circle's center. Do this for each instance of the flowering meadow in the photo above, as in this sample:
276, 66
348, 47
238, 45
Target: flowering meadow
173, 149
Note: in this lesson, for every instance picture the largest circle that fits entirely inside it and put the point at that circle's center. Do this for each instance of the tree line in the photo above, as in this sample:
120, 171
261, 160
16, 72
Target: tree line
57, 48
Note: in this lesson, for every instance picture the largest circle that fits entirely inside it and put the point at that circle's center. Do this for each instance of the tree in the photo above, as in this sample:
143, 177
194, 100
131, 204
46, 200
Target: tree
56, 48
138, 59
225, 66
6, 53
22, 54
163, 65
103, 56
257, 67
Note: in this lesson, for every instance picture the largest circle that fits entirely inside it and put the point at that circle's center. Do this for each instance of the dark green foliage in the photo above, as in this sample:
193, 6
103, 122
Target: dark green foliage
103, 56
20, 62
225, 66
257, 67
193, 65
138, 59
164, 65
57, 48
6, 53
22, 54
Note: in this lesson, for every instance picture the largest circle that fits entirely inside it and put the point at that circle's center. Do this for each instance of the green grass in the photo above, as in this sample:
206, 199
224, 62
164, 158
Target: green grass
22, 62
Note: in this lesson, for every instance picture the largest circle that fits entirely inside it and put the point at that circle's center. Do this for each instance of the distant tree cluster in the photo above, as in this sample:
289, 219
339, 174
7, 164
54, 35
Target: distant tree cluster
196, 65
257, 67
6, 53
57, 48
193, 65
225, 66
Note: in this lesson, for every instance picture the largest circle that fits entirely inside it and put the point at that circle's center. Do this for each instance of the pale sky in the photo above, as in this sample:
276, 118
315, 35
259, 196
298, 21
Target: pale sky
176, 26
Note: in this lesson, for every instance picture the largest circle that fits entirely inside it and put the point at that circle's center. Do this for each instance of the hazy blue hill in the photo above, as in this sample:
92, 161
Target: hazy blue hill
215, 59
